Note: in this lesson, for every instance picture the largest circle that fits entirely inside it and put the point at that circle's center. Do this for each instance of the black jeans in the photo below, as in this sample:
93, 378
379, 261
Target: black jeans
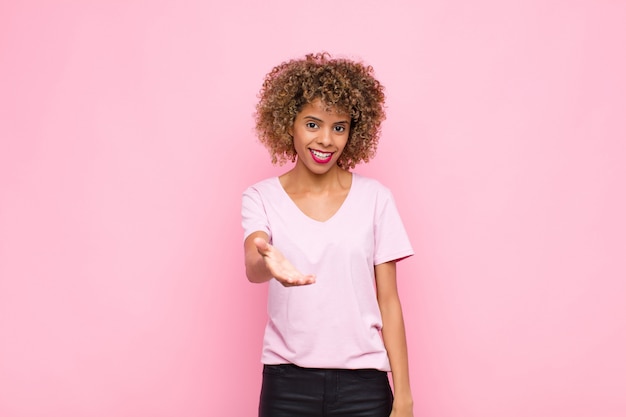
291, 391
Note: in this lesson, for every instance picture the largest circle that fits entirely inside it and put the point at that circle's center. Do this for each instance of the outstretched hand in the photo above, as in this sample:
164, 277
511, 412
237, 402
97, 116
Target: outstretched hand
281, 269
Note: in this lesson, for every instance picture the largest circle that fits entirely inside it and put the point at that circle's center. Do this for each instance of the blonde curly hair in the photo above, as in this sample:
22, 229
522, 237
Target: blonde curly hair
342, 85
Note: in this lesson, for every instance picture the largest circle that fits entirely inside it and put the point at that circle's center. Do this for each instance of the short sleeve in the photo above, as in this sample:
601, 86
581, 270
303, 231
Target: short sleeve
253, 214
391, 240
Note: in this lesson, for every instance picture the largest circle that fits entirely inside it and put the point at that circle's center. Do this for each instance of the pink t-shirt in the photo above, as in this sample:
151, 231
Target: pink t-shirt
335, 322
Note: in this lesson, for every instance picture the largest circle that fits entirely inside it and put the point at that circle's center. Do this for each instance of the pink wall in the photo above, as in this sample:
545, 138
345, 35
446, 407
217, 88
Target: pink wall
127, 138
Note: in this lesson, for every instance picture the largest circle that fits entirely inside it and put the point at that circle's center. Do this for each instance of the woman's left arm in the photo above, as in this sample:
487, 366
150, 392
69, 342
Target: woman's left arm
394, 337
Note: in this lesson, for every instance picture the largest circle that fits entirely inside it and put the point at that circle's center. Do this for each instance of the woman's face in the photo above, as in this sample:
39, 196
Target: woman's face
319, 136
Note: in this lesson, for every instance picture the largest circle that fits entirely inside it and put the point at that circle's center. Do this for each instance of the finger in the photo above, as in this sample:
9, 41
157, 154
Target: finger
308, 279
296, 282
261, 245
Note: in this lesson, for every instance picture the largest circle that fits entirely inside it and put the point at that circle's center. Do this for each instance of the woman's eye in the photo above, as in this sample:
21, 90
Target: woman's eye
311, 125
340, 128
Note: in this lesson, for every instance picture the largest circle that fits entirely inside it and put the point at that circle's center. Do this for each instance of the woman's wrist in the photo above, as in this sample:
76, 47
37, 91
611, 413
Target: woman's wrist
403, 399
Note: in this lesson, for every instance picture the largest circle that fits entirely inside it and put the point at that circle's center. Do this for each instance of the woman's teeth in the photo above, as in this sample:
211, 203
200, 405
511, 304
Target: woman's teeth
321, 155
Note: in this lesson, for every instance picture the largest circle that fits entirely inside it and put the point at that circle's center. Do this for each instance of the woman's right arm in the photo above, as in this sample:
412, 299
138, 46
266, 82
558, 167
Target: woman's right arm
256, 270
264, 262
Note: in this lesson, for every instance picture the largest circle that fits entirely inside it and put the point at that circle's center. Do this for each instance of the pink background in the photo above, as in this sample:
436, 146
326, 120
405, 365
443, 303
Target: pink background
127, 138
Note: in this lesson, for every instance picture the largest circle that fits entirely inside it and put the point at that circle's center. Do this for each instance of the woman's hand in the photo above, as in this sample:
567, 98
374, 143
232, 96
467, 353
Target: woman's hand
280, 268
405, 410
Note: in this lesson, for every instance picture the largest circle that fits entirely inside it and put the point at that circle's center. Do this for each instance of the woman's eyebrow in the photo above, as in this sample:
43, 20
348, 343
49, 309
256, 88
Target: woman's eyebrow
322, 121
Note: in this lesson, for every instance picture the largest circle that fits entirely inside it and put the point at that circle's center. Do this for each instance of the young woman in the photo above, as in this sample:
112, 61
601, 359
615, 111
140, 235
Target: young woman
327, 240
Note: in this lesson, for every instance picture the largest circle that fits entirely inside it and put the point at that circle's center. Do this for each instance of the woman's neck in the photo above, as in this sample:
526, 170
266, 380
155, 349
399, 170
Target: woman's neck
300, 179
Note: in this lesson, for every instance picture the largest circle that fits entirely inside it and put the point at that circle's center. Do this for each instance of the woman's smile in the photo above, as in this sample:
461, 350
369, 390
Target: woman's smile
321, 157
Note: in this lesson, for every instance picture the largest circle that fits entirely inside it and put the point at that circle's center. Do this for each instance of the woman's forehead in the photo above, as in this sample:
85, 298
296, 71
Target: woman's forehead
329, 108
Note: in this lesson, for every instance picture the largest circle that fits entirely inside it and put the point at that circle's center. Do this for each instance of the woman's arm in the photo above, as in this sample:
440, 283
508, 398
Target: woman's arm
394, 337
264, 262
256, 270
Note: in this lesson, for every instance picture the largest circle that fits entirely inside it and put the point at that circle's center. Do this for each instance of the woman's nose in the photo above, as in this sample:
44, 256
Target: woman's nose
326, 137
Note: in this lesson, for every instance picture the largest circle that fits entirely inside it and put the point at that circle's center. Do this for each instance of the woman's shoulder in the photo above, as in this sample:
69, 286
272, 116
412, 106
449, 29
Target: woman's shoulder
369, 184
267, 184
